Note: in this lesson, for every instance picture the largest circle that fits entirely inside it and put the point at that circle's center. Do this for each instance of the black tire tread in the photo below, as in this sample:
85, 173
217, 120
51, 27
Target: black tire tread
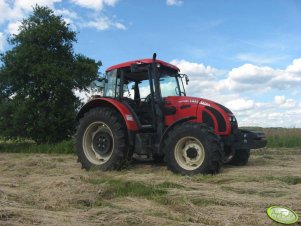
240, 158
116, 124
212, 144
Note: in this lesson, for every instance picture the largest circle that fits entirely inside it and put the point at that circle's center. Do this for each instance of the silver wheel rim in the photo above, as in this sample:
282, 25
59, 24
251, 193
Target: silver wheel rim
90, 134
189, 153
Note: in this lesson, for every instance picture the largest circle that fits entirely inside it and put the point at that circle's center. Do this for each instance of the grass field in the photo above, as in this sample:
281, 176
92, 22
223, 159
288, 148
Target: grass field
281, 137
51, 189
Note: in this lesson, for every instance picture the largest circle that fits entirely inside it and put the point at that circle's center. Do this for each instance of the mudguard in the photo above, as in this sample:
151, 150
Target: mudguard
129, 120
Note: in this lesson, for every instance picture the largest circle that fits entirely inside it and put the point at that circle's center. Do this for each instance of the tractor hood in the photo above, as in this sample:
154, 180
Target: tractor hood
186, 100
215, 115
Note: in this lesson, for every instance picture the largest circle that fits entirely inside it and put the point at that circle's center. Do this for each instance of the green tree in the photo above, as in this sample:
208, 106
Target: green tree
38, 77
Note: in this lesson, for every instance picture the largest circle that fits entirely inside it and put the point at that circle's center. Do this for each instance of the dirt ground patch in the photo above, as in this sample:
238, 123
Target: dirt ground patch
44, 189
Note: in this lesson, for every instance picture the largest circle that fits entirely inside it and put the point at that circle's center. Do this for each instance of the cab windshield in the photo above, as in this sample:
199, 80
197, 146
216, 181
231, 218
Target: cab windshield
171, 85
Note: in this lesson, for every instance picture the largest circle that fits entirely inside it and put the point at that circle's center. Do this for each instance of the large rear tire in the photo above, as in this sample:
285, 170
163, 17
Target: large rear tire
240, 158
192, 148
101, 140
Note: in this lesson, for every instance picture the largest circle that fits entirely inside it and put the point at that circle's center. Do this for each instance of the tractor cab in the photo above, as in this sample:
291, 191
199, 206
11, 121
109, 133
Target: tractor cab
142, 87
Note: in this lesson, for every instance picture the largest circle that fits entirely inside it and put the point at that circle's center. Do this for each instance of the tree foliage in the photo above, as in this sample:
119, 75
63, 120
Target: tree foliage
38, 77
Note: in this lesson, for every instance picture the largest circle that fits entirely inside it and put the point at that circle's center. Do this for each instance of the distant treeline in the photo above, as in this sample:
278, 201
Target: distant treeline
281, 137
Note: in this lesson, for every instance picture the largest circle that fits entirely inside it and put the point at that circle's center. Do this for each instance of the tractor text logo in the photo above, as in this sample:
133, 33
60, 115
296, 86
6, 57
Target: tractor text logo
205, 103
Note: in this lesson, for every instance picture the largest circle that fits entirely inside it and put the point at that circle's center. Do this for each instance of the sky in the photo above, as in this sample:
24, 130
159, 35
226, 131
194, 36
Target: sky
245, 55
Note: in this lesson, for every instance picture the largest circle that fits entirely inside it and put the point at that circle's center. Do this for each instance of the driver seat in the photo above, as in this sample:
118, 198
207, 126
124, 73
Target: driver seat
141, 127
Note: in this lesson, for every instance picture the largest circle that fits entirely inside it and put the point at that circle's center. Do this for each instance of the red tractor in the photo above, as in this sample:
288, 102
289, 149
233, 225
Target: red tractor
144, 110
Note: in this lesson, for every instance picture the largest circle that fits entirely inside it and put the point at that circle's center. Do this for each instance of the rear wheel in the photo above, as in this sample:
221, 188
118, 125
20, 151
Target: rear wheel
101, 140
193, 148
240, 158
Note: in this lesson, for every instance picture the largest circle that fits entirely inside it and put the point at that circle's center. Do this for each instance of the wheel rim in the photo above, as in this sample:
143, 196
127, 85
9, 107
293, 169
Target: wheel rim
189, 153
98, 143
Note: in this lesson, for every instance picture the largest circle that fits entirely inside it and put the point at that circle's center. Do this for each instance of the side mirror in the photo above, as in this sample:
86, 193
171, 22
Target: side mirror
186, 79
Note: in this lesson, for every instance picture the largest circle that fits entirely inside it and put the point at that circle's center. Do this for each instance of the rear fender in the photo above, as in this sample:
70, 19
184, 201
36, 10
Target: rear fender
128, 118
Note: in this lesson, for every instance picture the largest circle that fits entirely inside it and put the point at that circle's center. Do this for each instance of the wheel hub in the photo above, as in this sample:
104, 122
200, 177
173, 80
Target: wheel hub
192, 153
102, 143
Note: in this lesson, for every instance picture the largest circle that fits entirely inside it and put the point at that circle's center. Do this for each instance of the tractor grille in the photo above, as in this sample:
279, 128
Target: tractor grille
219, 118
207, 119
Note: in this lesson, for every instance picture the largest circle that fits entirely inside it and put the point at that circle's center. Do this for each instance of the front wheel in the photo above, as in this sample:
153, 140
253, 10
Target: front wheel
101, 140
192, 148
240, 158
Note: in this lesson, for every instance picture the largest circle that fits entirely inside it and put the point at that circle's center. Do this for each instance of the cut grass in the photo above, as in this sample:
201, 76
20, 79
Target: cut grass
213, 202
41, 189
290, 180
115, 188
253, 191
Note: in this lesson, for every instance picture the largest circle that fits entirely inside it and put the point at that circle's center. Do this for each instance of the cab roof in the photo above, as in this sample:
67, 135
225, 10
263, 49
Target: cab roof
142, 61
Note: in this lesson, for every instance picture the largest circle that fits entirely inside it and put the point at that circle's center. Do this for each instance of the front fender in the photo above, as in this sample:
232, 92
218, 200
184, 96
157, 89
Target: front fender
186, 119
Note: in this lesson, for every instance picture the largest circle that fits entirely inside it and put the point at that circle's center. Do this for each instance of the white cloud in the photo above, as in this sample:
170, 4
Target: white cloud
67, 13
103, 23
281, 101
240, 104
249, 77
120, 26
13, 11
4, 7
195, 68
28, 4
94, 4
13, 27
174, 2
236, 88
249, 73
295, 68
2, 41
202, 78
